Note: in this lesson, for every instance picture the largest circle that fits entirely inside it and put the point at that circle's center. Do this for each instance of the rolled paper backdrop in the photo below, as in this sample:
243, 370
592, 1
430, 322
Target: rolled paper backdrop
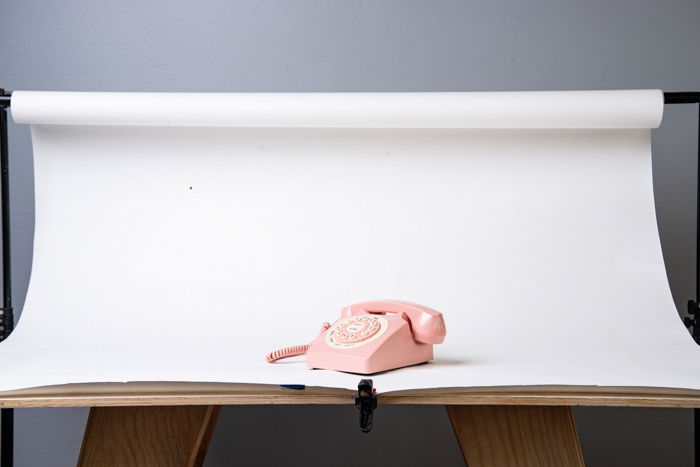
477, 110
181, 237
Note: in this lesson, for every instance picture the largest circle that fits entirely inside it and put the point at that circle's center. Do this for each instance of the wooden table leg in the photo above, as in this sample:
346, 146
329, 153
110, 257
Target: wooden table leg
176, 436
491, 436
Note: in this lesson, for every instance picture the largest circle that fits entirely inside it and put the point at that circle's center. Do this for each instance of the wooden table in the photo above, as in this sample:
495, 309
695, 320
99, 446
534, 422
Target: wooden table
171, 424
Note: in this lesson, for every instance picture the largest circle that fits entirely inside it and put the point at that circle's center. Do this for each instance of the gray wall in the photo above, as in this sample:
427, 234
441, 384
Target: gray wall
372, 45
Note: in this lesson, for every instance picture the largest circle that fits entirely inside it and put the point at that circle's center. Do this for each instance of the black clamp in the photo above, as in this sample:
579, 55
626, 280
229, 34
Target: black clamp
366, 402
5, 98
6, 322
692, 321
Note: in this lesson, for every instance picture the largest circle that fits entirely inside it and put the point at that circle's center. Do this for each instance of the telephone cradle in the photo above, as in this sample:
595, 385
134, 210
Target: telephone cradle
371, 337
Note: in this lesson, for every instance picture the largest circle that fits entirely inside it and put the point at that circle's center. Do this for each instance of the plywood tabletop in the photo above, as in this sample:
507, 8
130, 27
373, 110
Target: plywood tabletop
178, 393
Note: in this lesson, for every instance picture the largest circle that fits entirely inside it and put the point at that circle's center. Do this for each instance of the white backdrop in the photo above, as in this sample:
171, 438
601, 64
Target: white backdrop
180, 237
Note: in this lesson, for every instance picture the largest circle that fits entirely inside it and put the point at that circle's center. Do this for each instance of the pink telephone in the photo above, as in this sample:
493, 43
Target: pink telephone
373, 336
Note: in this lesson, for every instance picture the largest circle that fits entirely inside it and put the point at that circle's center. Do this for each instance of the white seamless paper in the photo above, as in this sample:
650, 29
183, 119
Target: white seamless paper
181, 237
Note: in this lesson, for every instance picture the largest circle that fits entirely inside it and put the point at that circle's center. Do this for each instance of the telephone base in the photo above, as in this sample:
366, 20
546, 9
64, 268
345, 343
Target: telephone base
377, 373
378, 362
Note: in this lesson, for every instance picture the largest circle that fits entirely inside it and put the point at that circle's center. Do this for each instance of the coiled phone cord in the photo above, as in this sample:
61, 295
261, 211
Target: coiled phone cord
294, 351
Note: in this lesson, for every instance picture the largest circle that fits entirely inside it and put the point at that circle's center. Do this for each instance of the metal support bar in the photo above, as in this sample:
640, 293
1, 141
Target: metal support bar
692, 321
692, 97
6, 313
7, 320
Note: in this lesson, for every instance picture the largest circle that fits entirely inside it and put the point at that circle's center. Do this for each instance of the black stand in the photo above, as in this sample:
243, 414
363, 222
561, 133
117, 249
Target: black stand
366, 400
692, 321
7, 320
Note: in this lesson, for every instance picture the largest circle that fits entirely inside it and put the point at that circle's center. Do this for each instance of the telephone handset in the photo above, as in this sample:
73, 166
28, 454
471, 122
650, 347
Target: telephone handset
373, 336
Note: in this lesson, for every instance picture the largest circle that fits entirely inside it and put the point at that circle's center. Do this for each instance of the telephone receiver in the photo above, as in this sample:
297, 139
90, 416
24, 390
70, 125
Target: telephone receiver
374, 336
